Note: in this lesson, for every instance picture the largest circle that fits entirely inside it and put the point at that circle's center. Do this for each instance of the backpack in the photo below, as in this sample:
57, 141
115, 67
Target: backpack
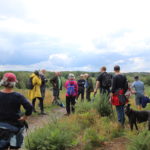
106, 80
71, 89
30, 85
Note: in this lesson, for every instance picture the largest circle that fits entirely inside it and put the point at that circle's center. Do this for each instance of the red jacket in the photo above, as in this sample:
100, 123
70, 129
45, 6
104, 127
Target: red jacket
115, 99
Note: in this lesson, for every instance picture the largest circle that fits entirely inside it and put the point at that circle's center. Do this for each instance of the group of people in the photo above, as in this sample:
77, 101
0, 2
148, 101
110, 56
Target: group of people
115, 86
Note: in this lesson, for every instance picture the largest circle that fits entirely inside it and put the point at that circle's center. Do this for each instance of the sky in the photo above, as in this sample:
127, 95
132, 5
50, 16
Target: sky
74, 35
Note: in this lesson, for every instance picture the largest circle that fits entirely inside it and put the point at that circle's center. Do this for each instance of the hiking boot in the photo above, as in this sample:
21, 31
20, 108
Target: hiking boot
43, 113
66, 114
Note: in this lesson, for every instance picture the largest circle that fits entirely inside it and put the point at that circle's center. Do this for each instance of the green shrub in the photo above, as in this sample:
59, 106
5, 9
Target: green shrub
86, 120
117, 132
147, 80
140, 142
51, 137
83, 107
103, 106
92, 139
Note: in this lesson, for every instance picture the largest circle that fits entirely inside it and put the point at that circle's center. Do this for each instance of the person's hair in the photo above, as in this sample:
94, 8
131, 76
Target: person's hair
71, 76
36, 72
117, 68
136, 77
104, 68
7, 84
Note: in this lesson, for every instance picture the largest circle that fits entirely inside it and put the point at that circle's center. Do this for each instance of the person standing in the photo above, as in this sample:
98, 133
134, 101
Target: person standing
81, 87
119, 88
35, 92
44, 81
71, 93
57, 86
10, 112
88, 86
103, 82
138, 87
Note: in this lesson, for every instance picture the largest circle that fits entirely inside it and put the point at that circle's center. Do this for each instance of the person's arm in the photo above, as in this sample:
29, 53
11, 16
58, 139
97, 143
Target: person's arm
126, 85
114, 82
132, 88
27, 106
52, 81
34, 80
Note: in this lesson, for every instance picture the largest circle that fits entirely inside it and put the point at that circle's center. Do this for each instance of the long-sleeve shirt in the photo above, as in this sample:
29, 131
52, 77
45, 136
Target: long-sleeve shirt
10, 106
119, 82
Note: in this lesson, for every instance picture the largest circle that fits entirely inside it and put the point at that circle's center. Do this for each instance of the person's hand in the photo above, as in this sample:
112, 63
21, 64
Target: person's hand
23, 118
133, 92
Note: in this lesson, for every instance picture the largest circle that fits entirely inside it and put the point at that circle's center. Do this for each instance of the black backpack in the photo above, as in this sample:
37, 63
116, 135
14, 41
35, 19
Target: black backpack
30, 85
106, 80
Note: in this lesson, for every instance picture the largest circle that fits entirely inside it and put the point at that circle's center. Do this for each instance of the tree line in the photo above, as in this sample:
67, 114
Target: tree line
23, 77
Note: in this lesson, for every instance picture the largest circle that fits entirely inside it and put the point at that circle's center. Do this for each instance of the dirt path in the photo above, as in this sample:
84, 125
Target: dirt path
116, 144
41, 120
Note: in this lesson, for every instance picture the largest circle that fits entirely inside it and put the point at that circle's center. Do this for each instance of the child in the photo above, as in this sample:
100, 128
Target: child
71, 93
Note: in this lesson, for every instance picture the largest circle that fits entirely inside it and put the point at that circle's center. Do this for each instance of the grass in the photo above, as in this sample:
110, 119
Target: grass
87, 129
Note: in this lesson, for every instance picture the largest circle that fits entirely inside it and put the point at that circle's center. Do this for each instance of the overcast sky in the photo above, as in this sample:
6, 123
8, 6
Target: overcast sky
74, 34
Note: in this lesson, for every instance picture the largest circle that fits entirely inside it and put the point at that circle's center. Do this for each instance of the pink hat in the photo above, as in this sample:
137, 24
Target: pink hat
10, 77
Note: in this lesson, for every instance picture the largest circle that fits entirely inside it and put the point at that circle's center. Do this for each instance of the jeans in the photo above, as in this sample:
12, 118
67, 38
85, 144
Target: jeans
70, 100
120, 114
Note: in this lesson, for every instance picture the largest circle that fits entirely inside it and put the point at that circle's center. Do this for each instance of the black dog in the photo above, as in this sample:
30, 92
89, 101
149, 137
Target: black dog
137, 117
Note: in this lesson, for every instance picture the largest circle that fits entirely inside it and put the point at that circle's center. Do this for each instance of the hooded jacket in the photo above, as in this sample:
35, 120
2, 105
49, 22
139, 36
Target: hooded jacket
35, 92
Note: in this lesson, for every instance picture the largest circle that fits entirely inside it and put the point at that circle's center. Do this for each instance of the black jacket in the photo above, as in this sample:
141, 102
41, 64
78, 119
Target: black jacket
55, 82
119, 82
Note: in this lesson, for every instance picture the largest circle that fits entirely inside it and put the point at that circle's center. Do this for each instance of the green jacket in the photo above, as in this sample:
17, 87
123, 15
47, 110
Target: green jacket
90, 87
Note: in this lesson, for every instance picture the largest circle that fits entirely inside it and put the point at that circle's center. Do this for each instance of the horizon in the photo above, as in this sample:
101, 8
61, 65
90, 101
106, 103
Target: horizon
74, 35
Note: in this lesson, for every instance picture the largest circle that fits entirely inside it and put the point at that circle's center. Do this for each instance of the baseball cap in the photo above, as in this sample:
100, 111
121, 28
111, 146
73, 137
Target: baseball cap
10, 77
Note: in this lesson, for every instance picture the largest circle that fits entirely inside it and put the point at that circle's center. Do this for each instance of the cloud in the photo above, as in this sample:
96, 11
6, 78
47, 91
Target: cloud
74, 34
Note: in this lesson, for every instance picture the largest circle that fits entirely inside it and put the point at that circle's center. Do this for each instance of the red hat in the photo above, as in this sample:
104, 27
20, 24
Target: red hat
10, 77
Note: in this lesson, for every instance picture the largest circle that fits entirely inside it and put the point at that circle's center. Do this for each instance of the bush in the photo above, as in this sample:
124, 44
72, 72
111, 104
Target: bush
140, 142
147, 80
92, 139
103, 106
51, 137
86, 120
83, 107
117, 132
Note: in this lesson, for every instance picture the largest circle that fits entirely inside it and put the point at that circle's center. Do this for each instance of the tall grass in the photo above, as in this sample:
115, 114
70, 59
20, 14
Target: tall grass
54, 136
140, 142
103, 106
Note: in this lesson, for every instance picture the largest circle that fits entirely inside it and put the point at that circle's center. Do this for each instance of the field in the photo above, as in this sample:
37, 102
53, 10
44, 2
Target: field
93, 126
